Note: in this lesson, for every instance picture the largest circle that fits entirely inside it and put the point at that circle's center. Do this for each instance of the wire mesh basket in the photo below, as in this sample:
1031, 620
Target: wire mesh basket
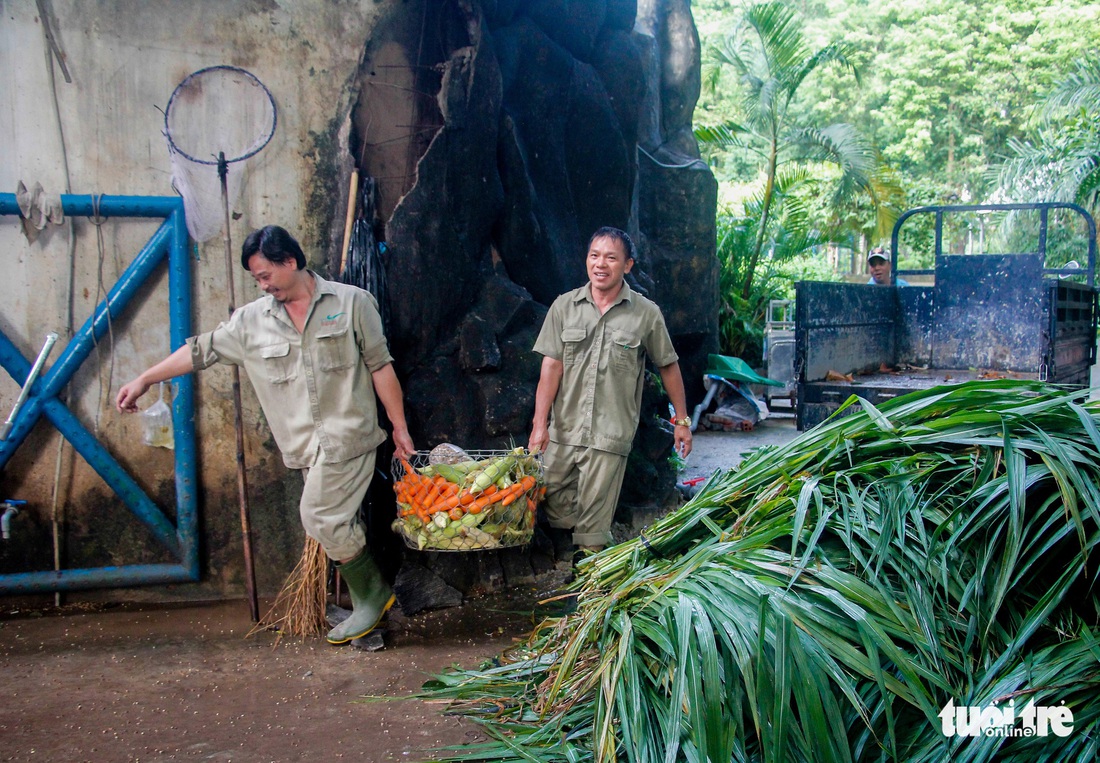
450, 499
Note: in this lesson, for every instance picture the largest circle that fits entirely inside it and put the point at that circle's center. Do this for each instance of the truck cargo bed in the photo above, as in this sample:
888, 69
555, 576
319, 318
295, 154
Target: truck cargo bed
987, 316
820, 399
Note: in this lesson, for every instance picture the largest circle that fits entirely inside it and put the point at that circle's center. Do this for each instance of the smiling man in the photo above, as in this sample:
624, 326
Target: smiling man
316, 355
878, 263
594, 344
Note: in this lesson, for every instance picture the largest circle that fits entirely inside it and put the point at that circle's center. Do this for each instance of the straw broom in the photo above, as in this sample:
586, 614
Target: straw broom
299, 609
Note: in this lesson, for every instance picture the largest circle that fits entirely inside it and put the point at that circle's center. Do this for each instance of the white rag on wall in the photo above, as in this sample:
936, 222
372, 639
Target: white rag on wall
36, 208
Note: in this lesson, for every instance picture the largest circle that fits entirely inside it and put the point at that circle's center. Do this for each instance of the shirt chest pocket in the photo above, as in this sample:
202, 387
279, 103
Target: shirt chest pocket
626, 351
333, 351
572, 340
277, 364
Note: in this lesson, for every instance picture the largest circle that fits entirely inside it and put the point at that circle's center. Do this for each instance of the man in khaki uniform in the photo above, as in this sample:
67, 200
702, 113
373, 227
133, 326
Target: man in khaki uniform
316, 355
594, 343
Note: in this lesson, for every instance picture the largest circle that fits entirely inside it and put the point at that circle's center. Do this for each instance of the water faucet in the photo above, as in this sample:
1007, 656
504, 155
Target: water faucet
11, 508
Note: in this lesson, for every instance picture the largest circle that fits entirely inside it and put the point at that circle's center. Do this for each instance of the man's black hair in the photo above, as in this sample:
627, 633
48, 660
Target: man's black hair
619, 235
275, 244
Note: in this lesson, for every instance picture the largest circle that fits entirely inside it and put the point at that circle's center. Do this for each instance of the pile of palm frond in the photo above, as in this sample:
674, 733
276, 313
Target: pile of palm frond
827, 599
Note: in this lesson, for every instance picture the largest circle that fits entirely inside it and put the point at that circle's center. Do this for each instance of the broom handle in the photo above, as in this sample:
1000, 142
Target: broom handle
238, 419
352, 194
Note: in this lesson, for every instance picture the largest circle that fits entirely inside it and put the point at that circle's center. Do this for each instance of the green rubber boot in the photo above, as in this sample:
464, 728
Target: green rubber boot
371, 596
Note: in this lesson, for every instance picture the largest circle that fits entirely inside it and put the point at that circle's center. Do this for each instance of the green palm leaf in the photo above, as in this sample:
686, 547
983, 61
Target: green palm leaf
824, 600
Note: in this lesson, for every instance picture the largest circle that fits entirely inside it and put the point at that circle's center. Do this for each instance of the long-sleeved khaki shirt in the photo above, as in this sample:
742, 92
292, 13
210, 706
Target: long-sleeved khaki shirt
315, 387
603, 357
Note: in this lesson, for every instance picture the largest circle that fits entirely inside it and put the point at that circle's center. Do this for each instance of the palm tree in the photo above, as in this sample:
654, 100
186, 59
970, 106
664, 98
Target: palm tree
741, 319
1063, 162
772, 59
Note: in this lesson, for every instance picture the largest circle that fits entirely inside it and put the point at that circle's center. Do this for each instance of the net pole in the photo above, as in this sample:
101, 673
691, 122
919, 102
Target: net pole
238, 419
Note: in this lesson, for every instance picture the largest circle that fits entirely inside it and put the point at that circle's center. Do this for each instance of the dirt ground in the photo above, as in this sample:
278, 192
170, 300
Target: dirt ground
130, 683
184, 683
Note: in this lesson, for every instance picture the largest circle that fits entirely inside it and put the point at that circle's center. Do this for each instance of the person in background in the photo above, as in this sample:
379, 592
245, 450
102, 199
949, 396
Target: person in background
316, 355
878, 262
594, 343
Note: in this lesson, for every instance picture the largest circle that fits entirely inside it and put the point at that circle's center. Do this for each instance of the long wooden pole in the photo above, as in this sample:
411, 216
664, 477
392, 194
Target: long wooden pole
238, 419
349, 222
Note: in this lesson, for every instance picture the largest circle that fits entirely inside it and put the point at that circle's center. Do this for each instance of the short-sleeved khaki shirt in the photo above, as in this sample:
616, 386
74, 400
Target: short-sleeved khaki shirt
603, 356
315, 387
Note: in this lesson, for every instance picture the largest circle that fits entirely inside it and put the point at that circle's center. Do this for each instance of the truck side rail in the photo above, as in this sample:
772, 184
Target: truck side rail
1044, 208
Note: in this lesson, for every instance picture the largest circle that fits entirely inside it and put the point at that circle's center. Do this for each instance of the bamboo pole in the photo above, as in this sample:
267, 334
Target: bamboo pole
353, 192
238, 419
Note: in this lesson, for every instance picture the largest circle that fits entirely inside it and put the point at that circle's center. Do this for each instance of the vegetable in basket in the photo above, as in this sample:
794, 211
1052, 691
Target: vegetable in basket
469, 505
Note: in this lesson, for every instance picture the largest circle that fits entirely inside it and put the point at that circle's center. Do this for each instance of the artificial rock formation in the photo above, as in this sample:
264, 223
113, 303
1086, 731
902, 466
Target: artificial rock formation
501, 134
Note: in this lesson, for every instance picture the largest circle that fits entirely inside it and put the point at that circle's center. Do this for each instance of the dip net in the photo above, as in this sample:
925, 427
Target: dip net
216, 116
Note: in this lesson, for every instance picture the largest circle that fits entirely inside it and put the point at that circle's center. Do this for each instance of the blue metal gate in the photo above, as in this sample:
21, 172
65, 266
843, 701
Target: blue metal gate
169, 243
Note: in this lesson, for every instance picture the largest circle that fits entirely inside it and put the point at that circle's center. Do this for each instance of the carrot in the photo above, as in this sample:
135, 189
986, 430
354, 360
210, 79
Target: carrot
518, 489
439, 498
451, 502
422, 490
511, 493
433, 493
483, 502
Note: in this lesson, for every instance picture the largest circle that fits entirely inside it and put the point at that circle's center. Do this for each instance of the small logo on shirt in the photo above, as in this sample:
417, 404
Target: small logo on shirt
331, 321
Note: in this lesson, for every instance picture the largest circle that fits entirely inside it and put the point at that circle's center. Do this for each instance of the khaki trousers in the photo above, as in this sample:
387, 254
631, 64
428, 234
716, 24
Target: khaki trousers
330, 505
582, 491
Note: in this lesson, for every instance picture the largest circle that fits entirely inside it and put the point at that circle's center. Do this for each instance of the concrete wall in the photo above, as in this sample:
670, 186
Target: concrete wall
101, 133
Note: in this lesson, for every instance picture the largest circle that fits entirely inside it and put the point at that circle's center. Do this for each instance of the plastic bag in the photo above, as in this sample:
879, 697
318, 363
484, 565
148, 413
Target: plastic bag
156, 422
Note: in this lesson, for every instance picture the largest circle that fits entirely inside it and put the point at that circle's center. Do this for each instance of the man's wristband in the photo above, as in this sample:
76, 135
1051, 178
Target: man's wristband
684, 422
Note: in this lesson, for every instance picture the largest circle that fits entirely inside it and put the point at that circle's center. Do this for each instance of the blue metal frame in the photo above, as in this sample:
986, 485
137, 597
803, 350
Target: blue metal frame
181, 539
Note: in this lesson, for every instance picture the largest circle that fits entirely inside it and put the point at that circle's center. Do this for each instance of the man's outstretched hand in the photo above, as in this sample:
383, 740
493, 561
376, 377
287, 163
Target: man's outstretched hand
126, 402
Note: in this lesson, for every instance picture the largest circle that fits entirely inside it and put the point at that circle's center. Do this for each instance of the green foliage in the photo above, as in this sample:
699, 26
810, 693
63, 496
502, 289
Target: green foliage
825, 599
1060, 161
741, 318
770, 58
947, 88
948, 85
